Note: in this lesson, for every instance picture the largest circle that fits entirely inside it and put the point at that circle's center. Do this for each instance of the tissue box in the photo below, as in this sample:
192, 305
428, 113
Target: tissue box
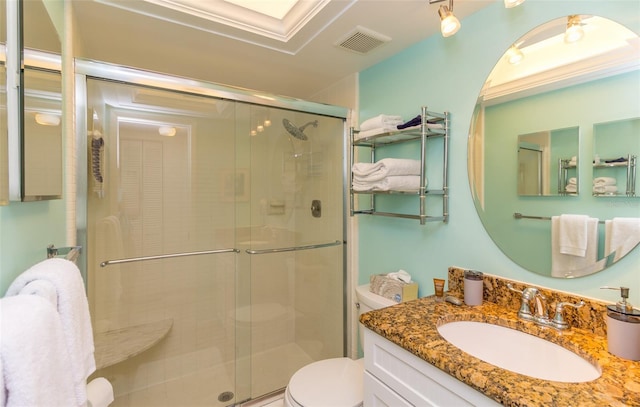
393, 289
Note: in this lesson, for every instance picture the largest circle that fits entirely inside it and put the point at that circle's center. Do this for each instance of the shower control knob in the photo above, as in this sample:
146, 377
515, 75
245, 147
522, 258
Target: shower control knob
316, 208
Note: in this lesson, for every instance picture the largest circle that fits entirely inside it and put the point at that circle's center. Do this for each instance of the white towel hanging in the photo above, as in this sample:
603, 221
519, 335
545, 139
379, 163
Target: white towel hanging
621, 236
567, 265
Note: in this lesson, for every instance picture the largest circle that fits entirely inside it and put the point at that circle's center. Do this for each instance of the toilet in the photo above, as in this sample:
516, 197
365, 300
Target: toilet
334, 382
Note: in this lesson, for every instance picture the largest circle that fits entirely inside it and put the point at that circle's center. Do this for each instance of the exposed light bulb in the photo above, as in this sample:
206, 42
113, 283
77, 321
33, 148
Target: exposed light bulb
167, 131
449, 24
267, 123
574, 32
254, 133
260, 128
514, 55
512, 3
45, 119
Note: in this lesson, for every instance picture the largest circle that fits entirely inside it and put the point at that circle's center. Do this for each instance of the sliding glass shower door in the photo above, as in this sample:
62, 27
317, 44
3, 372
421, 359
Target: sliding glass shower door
214, 244
291, 238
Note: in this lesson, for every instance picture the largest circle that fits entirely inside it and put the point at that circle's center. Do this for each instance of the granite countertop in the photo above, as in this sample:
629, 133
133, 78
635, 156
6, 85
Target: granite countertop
413, 326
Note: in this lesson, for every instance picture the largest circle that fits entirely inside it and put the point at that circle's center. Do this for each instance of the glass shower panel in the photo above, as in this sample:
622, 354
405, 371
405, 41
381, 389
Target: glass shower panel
160, 207
292, 236
4, 155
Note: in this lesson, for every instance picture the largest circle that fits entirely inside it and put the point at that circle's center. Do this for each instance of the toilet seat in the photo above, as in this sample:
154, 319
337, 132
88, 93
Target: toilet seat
331, 382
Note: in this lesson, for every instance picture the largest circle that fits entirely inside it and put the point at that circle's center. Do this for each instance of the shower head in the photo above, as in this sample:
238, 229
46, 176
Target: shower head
298, 132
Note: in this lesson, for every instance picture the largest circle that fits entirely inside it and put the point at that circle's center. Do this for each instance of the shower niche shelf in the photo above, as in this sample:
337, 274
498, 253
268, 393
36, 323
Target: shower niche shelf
435, 126
118, 345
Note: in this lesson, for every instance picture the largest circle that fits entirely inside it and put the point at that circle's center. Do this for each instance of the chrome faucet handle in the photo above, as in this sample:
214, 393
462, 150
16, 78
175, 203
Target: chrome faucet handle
525, 304
558, 319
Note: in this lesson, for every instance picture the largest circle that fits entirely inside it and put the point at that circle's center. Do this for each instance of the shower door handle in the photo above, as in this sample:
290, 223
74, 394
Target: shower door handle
294, 248
166, 256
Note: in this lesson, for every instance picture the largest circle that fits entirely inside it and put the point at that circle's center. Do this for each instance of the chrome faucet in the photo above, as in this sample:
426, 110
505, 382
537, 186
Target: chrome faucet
558, 321
532, 298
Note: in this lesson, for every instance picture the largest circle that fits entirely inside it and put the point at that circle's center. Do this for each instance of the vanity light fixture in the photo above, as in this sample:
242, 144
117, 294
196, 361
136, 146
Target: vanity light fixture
46, 119
514, 55
267, 123
574, 31
512, 3
449, 23
167, 131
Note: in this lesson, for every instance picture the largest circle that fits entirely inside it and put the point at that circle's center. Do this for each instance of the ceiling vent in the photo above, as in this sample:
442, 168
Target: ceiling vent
362, 40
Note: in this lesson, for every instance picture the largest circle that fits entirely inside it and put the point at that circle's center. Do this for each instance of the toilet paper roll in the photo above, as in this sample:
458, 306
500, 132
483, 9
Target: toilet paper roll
99, 393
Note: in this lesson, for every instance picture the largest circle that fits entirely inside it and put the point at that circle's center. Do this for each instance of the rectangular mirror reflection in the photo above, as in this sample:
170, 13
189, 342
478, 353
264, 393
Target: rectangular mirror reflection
616, 147
4, 165
547, 162
42, 174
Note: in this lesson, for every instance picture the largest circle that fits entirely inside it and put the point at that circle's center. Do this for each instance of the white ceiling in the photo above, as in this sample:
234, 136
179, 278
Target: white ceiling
294, 56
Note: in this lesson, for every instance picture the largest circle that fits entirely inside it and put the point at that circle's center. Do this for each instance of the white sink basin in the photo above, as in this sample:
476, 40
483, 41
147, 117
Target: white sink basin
518, 352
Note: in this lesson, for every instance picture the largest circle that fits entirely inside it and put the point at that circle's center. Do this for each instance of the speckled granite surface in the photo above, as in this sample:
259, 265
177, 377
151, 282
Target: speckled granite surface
591, 316
413, 326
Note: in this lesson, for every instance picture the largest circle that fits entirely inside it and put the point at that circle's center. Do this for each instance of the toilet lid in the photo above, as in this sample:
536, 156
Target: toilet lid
330, 382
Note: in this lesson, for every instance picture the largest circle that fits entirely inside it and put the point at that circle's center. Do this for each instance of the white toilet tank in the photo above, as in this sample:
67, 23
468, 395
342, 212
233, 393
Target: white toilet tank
368, 302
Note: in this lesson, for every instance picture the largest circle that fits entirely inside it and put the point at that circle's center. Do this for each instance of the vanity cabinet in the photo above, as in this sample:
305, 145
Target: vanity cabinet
613, 168
435, 126
395, 377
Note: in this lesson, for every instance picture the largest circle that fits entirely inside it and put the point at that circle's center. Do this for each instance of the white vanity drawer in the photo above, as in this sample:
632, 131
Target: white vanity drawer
417, 381
377, 394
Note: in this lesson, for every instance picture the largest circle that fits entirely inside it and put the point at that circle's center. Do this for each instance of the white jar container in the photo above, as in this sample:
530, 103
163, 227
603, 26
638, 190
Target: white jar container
473, 287
623, 332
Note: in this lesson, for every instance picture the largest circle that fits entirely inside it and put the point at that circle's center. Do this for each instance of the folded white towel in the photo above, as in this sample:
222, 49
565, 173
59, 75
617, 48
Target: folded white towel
621, 236
572, 181
567, 265
403, 183
571, 188
34, 361
370, 172
363, 134
573, 235
382, 120
602, 181
605, 189
73, 309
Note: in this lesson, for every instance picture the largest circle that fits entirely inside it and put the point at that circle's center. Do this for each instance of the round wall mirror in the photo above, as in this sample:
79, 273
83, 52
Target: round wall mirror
553, 147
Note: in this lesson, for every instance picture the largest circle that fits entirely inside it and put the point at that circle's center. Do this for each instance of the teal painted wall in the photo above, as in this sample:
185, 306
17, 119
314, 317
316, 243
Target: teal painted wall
26, 229
447, 74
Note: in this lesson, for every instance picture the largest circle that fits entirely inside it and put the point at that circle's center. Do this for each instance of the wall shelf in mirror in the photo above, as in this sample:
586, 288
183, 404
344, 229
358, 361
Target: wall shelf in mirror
567, 176
613, 169
616, 148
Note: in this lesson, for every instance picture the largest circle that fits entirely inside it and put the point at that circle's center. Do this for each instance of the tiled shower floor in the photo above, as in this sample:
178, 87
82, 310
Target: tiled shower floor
203, 387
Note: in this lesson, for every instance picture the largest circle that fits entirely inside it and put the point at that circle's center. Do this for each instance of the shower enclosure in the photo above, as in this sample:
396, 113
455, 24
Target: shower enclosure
214, 235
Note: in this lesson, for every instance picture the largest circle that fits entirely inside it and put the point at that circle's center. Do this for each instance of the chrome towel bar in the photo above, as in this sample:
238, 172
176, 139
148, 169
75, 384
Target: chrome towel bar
518, 215
166, 256
294, 248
